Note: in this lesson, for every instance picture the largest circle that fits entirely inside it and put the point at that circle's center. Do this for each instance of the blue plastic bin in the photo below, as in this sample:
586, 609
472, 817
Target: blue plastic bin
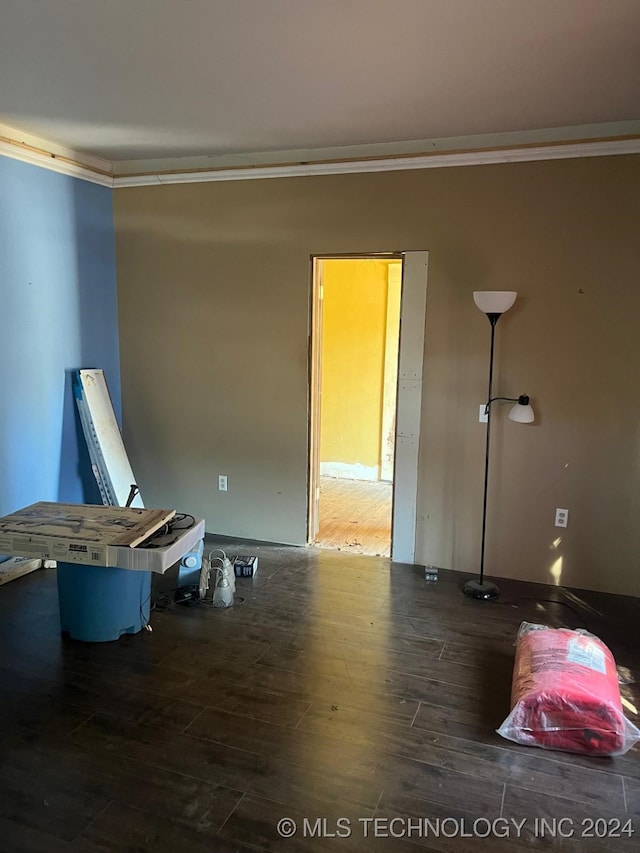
99, 604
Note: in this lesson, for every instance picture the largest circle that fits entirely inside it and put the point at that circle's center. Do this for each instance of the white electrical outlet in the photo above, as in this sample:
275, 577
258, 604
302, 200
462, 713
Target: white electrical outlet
483, 415
222, 482
562, 517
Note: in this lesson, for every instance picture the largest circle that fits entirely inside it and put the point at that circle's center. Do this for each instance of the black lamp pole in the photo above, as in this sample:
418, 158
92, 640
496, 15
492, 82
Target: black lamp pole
481, 588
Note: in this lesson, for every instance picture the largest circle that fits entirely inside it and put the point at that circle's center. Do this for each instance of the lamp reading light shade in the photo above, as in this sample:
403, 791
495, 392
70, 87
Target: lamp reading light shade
494, 301
522, 413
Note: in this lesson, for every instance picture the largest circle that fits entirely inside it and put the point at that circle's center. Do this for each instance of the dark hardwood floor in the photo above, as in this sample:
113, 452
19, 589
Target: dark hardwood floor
342, 688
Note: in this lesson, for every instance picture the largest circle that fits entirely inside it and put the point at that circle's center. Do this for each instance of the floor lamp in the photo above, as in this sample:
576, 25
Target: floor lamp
494, 303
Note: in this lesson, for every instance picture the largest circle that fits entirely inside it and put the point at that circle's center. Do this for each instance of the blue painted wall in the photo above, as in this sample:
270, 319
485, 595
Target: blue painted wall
58, 313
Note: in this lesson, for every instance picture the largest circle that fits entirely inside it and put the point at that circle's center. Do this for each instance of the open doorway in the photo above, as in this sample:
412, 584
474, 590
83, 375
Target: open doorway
356, 330
413, 307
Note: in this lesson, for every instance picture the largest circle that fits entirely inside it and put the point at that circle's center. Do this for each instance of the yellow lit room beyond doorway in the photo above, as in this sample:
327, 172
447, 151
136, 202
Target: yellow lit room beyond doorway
356, 336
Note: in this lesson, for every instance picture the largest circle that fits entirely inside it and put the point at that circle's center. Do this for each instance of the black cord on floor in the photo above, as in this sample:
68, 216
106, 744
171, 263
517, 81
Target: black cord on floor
163, 601
238, 600
517, 601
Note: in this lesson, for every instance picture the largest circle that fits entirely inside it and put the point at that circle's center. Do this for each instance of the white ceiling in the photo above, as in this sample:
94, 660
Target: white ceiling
132, 80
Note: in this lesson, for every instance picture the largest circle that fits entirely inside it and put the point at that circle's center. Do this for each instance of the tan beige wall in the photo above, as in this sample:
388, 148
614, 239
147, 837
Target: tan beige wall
214, 316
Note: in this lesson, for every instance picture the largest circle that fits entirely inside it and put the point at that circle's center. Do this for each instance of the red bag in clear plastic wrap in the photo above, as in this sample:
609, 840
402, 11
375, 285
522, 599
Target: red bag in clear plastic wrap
565, 694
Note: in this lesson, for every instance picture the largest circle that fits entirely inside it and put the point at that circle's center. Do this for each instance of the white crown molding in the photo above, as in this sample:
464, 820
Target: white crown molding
39, 152
21, 139
576, 134
555, 151
53, 164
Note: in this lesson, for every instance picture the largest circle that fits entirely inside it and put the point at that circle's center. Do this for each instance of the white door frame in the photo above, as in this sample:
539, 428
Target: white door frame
409, 403
315, 397
413, 307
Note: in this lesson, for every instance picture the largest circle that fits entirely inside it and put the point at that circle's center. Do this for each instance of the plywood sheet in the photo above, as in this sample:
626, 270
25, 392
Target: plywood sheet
100, 525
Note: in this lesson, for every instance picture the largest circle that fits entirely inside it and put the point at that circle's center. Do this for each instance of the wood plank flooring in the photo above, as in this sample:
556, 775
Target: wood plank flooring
340, 687
355, 516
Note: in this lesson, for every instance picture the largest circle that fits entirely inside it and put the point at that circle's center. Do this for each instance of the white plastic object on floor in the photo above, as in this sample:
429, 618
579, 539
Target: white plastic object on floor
225, 585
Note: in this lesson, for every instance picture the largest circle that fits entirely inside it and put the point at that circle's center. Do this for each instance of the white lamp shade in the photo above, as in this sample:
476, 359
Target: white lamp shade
522, 414
494, 301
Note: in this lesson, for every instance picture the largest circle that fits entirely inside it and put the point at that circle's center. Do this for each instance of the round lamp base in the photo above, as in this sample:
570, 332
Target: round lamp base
485, 590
